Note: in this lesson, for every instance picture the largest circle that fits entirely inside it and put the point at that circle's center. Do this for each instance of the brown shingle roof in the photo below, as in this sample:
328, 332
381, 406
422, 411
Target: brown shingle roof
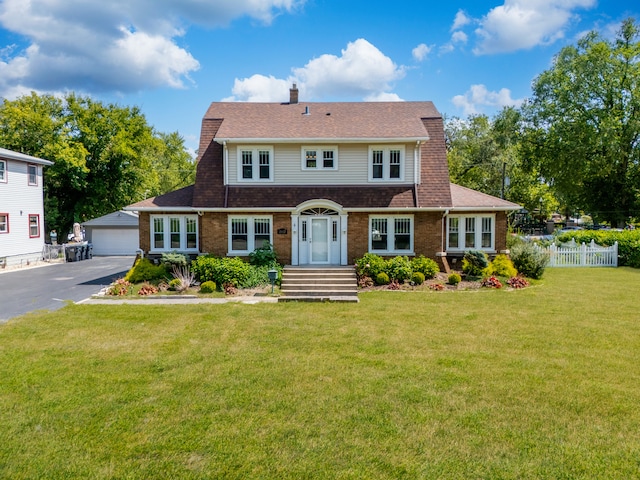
344, 120
465, 198
177, 198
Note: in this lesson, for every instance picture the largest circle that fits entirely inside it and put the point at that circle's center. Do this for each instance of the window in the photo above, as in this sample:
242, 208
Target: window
248, 233
4, 223
386, 163
174, 232
320, 158
32, 172
34, 226
255, 164
466, 232
3, 171
391, 234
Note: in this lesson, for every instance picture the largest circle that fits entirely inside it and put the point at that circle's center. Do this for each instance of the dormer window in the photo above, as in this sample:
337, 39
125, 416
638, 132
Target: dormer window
320, 158
386, 163
255, 164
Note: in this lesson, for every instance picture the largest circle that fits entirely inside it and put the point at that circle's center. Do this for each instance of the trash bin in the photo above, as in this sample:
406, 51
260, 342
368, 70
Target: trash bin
70, 253
89, 251
78, 253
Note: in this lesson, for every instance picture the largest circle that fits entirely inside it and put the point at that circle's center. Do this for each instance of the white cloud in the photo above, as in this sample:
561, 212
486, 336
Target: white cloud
460, 21
421, 52
524, 24
117, 46
459, 37
478, 96
361, 71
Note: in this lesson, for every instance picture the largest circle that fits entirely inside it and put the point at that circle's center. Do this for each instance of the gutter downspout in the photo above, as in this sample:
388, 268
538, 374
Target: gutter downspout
417, 174
444, 216
226, 162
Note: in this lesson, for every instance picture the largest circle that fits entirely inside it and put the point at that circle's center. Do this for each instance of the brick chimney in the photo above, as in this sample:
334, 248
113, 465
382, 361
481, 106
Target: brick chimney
293, 94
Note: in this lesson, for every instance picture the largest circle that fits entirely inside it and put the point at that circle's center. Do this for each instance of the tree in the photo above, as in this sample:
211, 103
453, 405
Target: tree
584, 125
484, 155
105, 156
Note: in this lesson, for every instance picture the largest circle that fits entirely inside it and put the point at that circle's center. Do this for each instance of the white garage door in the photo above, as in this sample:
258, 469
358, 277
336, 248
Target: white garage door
114, 241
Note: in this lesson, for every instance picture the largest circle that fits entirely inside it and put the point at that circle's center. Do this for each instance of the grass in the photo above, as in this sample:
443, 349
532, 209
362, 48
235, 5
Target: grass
538, 383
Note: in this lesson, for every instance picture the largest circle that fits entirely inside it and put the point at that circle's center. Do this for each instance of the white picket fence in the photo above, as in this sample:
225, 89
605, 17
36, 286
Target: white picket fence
573, 255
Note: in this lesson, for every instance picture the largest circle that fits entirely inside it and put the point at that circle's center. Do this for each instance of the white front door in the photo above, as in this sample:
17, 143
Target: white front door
319, 243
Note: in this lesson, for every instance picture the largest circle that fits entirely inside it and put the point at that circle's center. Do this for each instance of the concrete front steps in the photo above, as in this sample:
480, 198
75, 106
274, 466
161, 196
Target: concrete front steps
319, 284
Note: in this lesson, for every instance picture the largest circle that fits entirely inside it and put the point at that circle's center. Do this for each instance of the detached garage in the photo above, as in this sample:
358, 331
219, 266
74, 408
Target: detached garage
113, 234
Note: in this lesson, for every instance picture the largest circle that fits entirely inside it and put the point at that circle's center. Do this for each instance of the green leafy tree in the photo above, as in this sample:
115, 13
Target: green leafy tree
584, 125
105, 156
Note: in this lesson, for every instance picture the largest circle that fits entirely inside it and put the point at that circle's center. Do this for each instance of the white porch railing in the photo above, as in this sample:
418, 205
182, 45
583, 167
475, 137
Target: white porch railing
573, 255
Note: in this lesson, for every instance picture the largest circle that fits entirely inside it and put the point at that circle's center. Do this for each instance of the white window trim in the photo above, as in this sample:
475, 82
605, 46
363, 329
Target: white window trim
320, 157
250, 233
386, 163
167, 233
3, 179
478, 233
254, 149
391, 235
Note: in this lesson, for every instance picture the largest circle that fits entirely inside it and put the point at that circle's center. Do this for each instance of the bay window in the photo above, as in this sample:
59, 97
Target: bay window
465, 232
391, 234
248, 233
174, 232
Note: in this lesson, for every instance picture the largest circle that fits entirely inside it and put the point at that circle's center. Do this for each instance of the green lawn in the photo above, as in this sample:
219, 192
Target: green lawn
537, 383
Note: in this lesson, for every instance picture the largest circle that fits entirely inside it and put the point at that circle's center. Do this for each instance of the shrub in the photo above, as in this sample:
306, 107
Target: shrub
263, 256
370, 265
147, 289
502, 266
382, 279
492, 282
454, 279
394, 285
398, 269
145, 271
417, 278
229, 289
171, 259
438, 287
174, 284
185, 278
518, 282
120, 287
474, 262
364, 282
208, 287
427, 266
528, 260
234, 271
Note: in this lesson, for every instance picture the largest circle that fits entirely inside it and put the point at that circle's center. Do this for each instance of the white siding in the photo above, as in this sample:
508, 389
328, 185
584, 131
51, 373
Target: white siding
352, 166
19, 200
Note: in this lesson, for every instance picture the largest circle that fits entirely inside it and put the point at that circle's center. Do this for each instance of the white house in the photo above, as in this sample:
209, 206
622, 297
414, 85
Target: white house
21, 208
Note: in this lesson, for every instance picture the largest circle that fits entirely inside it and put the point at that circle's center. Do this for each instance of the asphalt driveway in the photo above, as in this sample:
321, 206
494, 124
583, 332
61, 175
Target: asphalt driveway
49, 287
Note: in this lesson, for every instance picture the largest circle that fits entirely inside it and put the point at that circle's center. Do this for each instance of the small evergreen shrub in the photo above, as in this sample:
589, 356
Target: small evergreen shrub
529, 261
208, 287
398, 269
174, 259
382, 279
502, 266
233, 271
174, 284
145, 271
427, 266
474, 262
454, 279
417, 278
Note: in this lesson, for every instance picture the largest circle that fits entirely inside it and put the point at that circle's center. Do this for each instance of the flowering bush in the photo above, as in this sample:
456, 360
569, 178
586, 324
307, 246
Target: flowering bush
518, 282
438, 287
147, 289
492, 282
120, 287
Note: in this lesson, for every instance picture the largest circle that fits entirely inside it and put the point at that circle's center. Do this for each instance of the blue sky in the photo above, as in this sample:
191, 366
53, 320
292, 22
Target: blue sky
172, 58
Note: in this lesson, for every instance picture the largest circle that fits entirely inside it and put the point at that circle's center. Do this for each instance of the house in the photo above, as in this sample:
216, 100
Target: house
21, 208
113, 234
324, 183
